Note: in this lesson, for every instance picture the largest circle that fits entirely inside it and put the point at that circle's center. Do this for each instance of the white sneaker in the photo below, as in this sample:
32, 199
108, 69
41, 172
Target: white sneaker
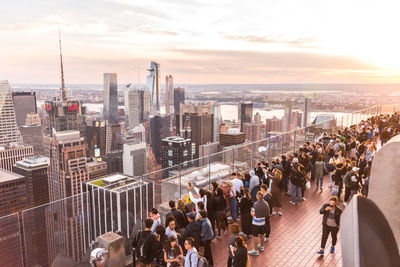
280, 213
273, 213
304, 199
266, 239
291, 202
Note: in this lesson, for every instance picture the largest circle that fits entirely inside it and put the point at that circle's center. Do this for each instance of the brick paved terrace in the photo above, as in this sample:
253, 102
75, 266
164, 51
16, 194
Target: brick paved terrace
295, 236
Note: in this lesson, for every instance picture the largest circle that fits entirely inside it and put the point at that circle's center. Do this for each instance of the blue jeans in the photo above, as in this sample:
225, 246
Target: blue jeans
233, 205
319, 182
296, 190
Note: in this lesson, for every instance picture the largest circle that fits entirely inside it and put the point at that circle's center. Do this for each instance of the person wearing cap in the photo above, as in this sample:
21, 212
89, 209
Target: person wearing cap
330, 223
193, 229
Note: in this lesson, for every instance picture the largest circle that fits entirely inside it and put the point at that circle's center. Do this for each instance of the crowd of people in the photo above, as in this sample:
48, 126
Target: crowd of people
245, 203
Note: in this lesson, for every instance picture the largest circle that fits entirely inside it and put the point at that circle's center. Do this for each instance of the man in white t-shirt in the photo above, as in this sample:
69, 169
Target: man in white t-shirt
233, 201
237, 184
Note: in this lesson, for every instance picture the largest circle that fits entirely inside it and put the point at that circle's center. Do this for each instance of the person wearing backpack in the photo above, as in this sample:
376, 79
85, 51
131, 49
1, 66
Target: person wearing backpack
192, 259
146, 245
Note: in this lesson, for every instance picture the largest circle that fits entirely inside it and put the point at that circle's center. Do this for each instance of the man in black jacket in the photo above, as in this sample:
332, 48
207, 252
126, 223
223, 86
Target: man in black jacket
145, 244
179, 217
330, 223
193, 229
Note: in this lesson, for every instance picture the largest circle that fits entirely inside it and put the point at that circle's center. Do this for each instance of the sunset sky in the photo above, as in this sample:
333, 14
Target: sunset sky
202, 41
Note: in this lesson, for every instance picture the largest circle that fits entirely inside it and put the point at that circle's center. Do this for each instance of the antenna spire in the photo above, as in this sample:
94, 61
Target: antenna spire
63, 90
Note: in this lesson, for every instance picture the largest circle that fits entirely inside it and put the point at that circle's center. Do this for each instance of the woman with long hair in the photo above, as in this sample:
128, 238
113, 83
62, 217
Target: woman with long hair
239, 252
173, 254
245, 209
220, 214
276, 191
181, 206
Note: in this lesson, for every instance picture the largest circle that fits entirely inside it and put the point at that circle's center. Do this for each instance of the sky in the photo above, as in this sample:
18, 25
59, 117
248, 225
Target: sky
201, 41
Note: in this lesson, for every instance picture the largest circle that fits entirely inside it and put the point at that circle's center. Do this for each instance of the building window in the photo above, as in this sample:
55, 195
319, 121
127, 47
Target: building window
170, 163
169, 152
185, 153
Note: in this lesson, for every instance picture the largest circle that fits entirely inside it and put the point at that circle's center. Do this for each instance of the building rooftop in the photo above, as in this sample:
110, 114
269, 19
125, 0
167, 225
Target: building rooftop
6, 176
116, 182
174, 139
66, 135
33, 162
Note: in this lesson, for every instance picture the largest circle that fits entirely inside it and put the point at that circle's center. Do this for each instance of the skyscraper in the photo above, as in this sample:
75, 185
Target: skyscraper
201, 121
257, 118
307, 108
252, 131
8, 124
169, 94
159, 129
153, 87
124, 205
245, 113
33, 135
24, 104
287, 119
12, 199
134, 158
34, 169
98, 138
216, 110
137, 106
110, 106
64, 114
65, 218
176, 150
179, 98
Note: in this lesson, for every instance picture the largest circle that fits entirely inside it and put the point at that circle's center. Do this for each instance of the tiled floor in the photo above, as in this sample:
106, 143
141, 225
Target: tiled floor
295, 237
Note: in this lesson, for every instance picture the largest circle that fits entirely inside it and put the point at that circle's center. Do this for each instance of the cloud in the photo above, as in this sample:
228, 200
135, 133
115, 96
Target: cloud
258, 59
272, 39
157, 32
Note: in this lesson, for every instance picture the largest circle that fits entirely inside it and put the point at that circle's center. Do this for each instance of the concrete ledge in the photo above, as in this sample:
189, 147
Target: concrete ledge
384, 186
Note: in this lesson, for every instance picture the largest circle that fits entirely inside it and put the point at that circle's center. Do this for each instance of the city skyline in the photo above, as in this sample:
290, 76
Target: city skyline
287, 42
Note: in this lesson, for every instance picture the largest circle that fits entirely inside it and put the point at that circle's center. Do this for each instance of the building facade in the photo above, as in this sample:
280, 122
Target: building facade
159, 129
24, 104
110, 106
273, 125
34, 169
179, 98
169, 94
33, 135
134, 159
252, 131
13, 199
9, 155
65, 218
8, 124
117, 202
176, 150
98, 138
245, 113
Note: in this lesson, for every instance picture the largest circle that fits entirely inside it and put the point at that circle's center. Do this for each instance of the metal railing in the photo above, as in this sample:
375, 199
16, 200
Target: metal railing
69, 226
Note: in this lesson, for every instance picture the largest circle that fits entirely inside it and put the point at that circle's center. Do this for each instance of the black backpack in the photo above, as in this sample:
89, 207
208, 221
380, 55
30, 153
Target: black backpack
142, 246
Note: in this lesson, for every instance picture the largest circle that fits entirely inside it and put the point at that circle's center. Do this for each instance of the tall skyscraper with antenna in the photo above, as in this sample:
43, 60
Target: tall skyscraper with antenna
64, 143
63, 113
